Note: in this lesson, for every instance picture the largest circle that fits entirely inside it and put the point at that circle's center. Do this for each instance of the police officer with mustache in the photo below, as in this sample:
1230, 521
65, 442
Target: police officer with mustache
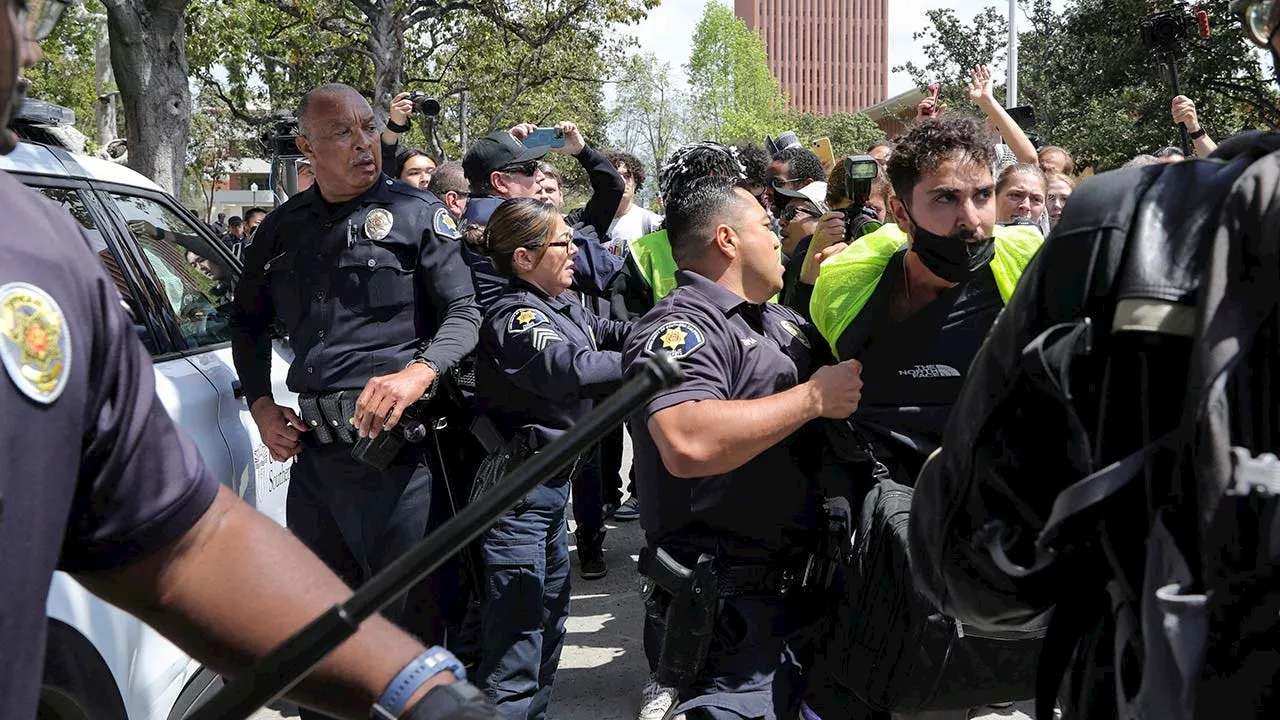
363, 273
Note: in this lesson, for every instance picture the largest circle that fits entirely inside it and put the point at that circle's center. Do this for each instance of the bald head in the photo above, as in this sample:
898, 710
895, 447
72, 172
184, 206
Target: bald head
338, 134
325, 99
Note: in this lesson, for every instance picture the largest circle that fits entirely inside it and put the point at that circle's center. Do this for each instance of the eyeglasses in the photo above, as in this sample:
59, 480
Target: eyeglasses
790, 213
1260, 19
528, 168
38, 18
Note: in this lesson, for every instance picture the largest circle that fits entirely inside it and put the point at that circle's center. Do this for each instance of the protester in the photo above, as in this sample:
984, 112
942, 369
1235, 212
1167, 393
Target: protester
1060, 188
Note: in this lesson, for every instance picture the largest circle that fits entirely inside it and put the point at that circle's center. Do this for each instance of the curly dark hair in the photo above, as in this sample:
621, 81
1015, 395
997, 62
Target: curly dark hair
802, 164
756, 160
621, 158
697, 160
931, 142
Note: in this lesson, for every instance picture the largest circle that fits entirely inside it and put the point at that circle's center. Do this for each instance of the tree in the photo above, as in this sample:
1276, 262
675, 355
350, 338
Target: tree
735, 96
650, 113
953, 48
65, 74
1096, 88
850, 133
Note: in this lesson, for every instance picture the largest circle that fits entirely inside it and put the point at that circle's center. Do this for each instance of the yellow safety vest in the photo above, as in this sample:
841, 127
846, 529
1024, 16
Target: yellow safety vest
652, 256
847, 280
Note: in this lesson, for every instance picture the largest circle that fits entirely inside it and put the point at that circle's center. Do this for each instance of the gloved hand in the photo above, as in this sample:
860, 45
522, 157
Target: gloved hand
455, 701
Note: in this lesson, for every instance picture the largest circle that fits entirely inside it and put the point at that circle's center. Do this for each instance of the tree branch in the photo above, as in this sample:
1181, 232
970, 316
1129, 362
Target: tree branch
208, 83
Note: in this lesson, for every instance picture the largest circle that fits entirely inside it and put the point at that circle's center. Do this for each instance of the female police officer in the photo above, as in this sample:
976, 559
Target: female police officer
539, 368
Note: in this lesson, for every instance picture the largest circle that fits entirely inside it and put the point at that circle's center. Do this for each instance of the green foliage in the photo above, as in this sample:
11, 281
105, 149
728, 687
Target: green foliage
850, 133
650, 114
734, 94
953, 47
64, 75
1097, 90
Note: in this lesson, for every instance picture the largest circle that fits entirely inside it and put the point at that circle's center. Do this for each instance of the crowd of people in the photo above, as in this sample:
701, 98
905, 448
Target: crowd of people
449, 320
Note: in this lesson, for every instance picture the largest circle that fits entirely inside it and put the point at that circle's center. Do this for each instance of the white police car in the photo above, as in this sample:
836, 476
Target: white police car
175, 280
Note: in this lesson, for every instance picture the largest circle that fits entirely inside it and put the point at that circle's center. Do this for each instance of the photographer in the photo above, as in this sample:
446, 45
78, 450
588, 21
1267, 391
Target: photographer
412, 165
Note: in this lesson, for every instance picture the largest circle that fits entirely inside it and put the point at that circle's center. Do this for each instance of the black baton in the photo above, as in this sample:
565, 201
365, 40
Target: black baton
288, 663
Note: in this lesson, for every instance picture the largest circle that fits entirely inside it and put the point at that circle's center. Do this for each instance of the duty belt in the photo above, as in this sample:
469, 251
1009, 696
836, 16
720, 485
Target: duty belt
809, 572
329, 415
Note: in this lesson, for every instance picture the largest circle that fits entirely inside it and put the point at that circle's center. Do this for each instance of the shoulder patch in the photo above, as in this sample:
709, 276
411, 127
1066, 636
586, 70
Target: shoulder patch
526, 318
444, 225
34, 342
795, 330
678, 338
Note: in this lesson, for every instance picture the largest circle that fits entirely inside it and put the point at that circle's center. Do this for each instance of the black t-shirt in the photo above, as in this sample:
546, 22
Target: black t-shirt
913, 369
95, 473
729, 349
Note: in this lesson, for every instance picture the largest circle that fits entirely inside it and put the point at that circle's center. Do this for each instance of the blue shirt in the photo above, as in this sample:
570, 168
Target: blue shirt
543, 361
729, 349
361, 287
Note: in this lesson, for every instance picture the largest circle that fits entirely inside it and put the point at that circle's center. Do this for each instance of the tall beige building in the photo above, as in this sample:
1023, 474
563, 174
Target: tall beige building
829, 55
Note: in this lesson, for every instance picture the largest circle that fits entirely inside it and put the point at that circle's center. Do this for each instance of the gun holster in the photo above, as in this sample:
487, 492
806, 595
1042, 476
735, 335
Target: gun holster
378, 453
837, 540
684, 603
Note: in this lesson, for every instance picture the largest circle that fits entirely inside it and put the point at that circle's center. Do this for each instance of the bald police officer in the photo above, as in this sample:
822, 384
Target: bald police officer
99, 482
364, 274
717, 458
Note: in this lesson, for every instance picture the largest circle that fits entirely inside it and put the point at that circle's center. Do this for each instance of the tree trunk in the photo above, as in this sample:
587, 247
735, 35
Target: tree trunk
103, 80
464, 117
148, 55
386, 43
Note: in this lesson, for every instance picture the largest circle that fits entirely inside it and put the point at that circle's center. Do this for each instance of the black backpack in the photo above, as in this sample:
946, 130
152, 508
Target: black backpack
890, 646
1106, 472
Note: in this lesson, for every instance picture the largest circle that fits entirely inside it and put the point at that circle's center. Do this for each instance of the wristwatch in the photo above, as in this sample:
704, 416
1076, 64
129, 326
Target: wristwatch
396, 127
1199, 133
414, 675
435, 382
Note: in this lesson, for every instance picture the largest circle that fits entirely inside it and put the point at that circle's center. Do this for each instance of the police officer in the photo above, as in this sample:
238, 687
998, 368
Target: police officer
362, 273
499, 166
100, 483
718, 459
542, 362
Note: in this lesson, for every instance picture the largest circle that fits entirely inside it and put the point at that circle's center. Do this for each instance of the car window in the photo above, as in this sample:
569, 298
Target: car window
71, 200
196, 283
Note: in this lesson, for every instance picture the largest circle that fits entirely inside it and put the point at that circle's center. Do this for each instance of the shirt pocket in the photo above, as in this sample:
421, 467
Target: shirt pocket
281, 271
373, 278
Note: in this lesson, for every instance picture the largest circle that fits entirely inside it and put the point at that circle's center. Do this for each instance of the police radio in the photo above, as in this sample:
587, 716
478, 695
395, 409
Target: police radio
859, 219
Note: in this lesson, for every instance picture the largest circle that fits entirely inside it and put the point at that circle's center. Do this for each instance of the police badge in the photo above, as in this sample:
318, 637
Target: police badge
34, 343
377, 224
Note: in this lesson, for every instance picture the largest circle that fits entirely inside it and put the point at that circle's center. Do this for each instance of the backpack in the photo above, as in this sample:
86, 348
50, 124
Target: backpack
1108, 471
893, 650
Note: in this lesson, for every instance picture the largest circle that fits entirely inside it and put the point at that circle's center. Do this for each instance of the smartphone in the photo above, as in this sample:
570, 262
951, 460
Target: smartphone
934, 89
545, 137
822, 148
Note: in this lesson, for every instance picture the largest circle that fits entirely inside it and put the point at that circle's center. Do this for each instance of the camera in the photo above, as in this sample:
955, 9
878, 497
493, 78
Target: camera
278, 139
424, 103
1169, 31
859, 173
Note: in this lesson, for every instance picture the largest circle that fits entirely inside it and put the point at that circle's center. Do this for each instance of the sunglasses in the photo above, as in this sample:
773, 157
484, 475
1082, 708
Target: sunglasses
38, 18
790, 213
1260, 19
528, 168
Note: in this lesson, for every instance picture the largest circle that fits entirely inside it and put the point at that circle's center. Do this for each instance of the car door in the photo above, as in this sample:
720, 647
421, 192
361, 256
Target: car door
149, 670
196, 278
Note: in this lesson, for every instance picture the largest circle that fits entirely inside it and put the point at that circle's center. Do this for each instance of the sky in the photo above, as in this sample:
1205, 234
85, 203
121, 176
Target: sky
668, 30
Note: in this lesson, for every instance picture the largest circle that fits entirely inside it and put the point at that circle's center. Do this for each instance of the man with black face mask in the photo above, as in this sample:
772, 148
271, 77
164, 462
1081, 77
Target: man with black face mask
914, 302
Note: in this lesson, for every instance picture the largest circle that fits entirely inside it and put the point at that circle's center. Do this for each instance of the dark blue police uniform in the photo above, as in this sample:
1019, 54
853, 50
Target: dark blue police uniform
541, 364
362, 288
96, 475
759, 520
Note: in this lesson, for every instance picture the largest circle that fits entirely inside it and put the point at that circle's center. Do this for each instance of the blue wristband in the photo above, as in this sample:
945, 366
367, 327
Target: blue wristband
414, 675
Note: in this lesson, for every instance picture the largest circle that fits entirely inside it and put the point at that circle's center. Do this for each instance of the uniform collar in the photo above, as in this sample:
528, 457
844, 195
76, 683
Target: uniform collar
723, 299
379, 192
479, 209
555, 303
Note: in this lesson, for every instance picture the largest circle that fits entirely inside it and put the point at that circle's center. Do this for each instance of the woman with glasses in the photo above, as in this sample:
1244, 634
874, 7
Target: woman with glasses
542, 363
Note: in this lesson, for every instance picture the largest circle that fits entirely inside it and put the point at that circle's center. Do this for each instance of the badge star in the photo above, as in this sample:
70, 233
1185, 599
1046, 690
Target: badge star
525, 317
673, 339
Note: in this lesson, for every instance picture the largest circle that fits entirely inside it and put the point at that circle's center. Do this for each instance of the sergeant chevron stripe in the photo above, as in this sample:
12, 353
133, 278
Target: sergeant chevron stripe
542, 337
